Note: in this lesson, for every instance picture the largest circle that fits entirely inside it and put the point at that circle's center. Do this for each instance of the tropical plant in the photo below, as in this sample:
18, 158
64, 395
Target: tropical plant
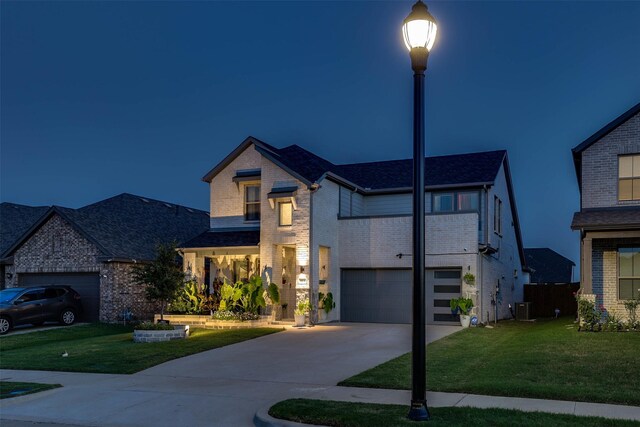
326, 302
247, 297
272, 294
229, 297
194, 298
463, 305
303, 308
469, 279
252, 298
162, 277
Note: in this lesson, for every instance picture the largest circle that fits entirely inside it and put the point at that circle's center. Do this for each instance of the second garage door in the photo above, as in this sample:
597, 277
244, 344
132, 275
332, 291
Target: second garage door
86, 284
384, 295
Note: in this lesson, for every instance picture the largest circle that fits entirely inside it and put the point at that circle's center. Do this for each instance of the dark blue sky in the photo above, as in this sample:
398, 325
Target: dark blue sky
99, 98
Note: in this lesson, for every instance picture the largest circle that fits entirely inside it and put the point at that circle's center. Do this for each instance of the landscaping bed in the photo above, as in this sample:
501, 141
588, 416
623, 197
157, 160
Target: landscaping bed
103, 348
14, 389
207, 322
350, 414
544, 359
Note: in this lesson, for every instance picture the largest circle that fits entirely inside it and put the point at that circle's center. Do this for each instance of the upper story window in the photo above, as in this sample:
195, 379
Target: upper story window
497, 215
285, 213
252, 203
456, 201
629, 177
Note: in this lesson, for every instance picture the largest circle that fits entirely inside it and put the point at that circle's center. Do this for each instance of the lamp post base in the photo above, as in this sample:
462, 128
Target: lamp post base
418, 411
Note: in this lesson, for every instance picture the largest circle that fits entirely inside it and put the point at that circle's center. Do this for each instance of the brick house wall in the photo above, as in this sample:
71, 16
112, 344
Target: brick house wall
57, 247
600, 190
600, 165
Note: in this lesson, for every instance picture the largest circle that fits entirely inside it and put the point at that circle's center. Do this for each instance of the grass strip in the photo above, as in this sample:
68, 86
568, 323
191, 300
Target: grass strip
350, 414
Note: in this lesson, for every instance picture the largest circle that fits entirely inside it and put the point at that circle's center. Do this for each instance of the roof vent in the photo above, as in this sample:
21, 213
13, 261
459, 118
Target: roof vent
168, 205
190, 210
144, 200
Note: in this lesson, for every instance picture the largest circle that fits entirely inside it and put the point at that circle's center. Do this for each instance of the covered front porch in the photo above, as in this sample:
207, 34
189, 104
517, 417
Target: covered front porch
216, 257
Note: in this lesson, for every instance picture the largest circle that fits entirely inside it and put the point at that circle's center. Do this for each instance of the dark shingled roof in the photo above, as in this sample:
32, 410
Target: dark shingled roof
607, 218
608, 128
548, 266
15, 220
452, 170
220, 239
129, 227
457, 169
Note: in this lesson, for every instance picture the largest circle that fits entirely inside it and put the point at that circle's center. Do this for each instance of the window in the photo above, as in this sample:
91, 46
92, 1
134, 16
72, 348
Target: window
497, 215
629, 177
628, 273
252, 203
31, 296
285, 213
460, 201
443, 202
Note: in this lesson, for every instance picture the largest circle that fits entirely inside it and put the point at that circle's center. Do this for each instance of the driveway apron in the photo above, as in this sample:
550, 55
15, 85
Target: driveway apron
221, 387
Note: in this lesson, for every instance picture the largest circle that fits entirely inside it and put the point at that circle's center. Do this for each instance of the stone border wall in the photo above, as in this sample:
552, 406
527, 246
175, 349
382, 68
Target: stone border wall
159, 336
207, 322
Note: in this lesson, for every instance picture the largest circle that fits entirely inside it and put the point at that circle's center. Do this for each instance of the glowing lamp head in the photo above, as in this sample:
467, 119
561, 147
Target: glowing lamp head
419, 28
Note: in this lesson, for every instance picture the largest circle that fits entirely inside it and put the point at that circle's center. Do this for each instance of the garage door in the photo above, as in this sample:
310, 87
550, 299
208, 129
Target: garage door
384, 295
86, 284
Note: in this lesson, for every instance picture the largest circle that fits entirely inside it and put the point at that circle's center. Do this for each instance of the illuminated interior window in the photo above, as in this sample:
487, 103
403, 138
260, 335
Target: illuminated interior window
629, 177
285, 213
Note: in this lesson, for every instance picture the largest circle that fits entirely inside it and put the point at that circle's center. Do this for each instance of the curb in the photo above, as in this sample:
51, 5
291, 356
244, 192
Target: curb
263, 419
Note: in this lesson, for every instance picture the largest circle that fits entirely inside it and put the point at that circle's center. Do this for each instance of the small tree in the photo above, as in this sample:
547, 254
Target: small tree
162, 278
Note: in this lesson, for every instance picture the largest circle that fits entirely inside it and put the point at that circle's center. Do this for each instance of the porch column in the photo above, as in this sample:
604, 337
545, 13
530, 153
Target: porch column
586, 266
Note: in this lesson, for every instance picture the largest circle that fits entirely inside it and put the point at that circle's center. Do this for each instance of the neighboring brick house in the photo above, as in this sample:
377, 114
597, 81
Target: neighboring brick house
93, 248
547, 266
608, 170
311, 226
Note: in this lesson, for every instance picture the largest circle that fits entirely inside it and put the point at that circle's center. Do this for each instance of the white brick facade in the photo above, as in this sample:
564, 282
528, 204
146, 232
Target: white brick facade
321, 224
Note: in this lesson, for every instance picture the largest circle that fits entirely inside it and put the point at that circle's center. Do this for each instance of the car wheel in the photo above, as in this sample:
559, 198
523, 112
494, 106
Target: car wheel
5, 325
67, 317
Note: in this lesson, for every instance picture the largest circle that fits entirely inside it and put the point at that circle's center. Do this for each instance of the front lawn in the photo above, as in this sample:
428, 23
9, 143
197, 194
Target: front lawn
108, 349
13, 389
545, 359
350, 414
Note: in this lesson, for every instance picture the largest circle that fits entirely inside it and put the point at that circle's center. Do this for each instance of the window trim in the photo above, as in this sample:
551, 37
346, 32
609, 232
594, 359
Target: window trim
634, 175
286, 202
618, 271
246, 203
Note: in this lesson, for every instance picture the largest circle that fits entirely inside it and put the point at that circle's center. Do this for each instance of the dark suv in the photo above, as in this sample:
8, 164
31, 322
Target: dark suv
20, 306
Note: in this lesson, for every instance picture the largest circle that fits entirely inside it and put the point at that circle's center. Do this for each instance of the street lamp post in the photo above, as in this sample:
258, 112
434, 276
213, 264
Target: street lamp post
419, 31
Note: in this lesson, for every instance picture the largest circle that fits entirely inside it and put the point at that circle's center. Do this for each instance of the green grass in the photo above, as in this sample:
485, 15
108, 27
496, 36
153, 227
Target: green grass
109, 349
547, 360
12, 389
350, 414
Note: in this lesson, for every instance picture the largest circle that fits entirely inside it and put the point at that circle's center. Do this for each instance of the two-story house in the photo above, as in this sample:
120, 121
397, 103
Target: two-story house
608, 170
312, 226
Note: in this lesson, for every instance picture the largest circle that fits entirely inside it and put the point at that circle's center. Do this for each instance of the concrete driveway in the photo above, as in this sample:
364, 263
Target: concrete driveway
221, 387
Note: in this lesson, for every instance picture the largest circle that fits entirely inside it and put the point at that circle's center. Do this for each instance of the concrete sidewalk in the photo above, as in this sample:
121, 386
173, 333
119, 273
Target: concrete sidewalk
438, 399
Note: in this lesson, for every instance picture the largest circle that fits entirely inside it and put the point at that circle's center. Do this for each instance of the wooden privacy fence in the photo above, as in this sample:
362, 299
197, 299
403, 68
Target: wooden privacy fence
545, 299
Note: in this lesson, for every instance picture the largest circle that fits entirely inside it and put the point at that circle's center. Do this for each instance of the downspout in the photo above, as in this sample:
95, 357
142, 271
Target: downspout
481, 256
